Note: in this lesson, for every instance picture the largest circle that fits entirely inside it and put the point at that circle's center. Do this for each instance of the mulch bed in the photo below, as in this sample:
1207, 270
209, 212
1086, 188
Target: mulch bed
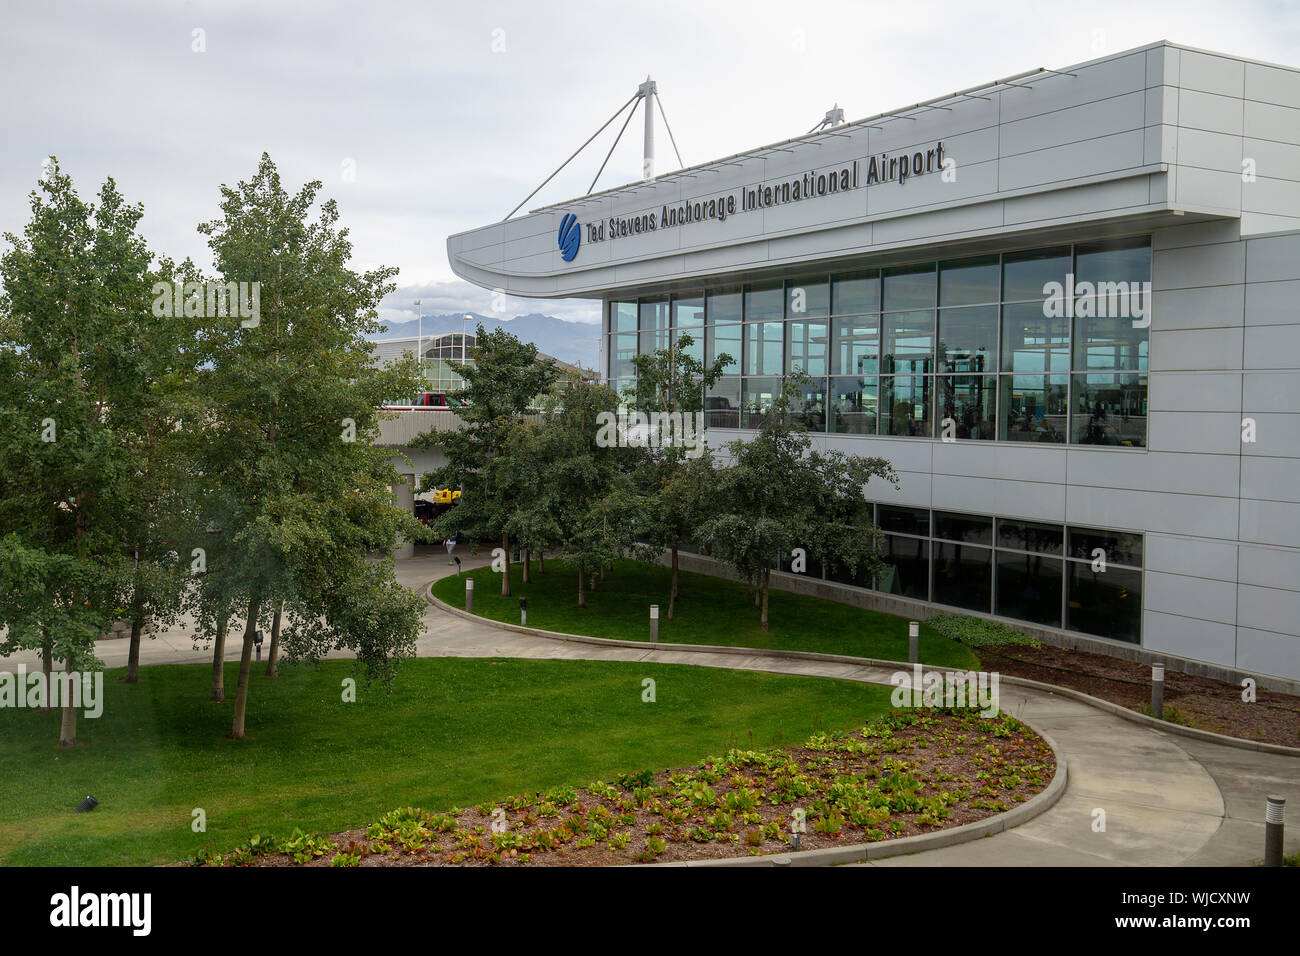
907, 773
1193, 701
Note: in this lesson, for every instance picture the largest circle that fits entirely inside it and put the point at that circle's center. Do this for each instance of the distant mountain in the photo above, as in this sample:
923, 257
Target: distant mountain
572, 342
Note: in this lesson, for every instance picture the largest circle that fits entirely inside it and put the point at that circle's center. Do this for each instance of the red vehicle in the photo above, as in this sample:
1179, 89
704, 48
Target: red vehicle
429, 401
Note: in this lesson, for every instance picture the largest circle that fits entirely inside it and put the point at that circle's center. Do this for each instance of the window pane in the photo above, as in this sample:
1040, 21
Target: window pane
968, 339
724, 340
722, 404
690, 342
905, 404
853, 405
765, 301
624, 388
1025, 274
841, 575
968, 401
724, 306
622, 316
763, 348
808, 347
857, 345
857, 293
1030, 536
807, 299
1029, 588
1106, 603
1110, 410
756, 399
622, 350
809, 408
907, 567
969, 281
1115, 260
1105, 337
910, 287
973, 529
1032, 408
963, 576
688, 313
654, 326
1033, 341
904, 520
908, 342
1119, 547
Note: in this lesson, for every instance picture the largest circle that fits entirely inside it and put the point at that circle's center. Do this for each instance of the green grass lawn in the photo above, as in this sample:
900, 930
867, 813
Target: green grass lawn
454, 732
710, 611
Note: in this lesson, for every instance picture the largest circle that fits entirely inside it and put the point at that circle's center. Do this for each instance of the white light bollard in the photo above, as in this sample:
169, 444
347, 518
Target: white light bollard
913, 642
654, 623
1158, 691
1273, 830
469, 595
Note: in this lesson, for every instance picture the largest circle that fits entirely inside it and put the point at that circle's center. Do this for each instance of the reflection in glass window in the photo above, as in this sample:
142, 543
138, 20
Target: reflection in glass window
907, 567
853, 405
856, 293
690, 342
809, 406
808, 346
1118, 547
1033, 341
622, 349
973, 529
722, 403
1030, 536
1032, 408
1110, 340
1110, 409
969, 402
969, 281
764, 301
908, 347
904, 520
654, 326
856, 346
905, 405
1029, 588
1114, 260
623, 317
763, 341
910, 287
1106, 603
810, 299
1026, 274
757, 396
688, 313
724, 305
968, 339
963, 575
723, 340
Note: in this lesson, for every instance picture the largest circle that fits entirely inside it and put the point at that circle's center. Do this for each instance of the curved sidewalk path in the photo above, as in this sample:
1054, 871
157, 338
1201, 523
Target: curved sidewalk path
1168, 800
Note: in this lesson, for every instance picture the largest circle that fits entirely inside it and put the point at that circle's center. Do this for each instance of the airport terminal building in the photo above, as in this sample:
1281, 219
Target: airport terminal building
1064, 305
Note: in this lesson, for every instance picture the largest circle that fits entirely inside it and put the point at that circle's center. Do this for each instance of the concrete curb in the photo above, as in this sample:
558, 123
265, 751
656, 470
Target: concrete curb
1119, 710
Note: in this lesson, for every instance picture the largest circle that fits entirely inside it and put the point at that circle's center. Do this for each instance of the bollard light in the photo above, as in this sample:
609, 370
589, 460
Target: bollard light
85, 806
654, 623
457, 560
257, 643
523, 611
913, 642
469, 595
794, 840
1273, 829
1158, 691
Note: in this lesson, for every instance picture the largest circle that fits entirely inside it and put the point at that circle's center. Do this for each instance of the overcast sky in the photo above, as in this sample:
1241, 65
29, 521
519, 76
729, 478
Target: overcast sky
428, 118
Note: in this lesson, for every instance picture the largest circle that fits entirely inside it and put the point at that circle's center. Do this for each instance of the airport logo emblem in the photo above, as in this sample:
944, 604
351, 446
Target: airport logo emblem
570, 237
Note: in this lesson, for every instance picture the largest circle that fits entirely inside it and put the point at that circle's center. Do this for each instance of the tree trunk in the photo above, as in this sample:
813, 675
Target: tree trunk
133, 655
672, 591
245, 669
527, 561
582, 595
47, 668
767, 576
505, 574
68, 730
274, 657
219, 660
602, 572
541, 562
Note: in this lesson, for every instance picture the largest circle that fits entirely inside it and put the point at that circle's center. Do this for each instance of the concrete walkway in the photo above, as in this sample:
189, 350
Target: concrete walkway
1167, 800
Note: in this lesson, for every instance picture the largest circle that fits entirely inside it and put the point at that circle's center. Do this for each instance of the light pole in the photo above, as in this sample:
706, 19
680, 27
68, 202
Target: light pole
419, 342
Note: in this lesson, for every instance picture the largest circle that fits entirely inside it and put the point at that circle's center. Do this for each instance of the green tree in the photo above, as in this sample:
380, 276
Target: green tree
502, 383
779, 495
293, 405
